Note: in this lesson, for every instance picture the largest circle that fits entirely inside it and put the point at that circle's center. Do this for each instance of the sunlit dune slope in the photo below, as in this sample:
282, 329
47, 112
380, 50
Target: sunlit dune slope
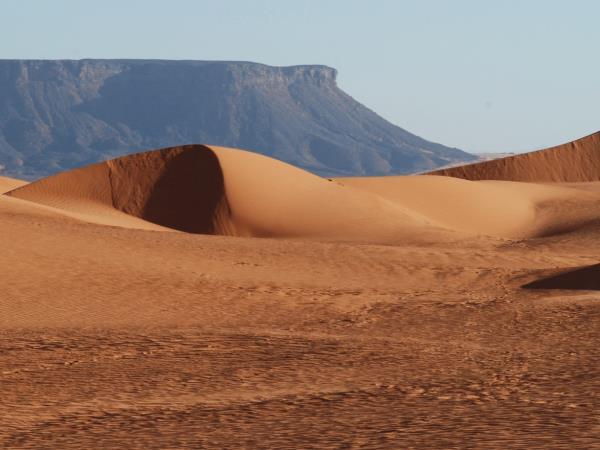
8, 184
495, 208
223, 191
215, 190
576, 161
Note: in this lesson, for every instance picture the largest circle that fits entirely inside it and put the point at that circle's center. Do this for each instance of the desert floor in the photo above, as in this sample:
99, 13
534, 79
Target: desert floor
114, 337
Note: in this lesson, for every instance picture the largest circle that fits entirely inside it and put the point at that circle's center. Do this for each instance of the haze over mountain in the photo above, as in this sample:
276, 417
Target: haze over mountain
56, 115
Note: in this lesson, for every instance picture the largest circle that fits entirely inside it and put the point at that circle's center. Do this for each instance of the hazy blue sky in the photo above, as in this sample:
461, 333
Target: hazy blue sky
480, 75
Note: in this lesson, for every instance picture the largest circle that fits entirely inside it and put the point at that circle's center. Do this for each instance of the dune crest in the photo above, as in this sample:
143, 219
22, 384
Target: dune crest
494, 208
576, 161
223, 191
8, 184
178, 188
217, 190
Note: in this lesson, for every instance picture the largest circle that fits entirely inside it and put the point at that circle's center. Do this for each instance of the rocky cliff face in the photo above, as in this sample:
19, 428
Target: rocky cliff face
56, 115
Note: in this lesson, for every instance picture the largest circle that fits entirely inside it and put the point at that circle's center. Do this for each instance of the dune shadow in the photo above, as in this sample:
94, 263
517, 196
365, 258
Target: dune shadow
187, 195
583, 278
179, 187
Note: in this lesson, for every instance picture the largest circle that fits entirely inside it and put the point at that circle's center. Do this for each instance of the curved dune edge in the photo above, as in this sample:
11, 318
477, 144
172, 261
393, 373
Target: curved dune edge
8, 184
216, 190
223, 191
168, 189
576, 161
581, 278
495, 208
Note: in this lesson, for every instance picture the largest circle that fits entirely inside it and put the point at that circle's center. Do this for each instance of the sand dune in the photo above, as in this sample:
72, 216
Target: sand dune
216, 190
8, 184
456, 204
504, 209
415, 332
82, 194
577, 161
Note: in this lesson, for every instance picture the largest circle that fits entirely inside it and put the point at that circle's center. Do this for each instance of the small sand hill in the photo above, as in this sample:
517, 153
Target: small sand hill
495, 208
456, 204
223, 191
215, 190
8, 184
577, 161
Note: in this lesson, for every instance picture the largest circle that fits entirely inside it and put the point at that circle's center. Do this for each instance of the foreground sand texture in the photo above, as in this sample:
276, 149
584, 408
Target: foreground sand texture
204, 297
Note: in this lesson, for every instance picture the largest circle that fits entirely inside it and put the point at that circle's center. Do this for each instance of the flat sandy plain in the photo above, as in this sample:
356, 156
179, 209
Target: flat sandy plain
202, 297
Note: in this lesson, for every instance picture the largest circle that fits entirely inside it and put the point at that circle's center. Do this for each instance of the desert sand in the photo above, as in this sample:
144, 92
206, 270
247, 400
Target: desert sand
8, 184
575, 161
207, 297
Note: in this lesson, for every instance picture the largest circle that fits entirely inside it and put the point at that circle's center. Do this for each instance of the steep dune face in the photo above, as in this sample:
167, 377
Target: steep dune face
216, 190
223, 191
178, 188
577, 161
150, 190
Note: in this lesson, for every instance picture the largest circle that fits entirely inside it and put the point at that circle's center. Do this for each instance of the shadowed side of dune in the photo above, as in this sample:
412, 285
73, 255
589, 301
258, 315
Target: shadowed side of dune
217, 190
180, 188
225, 191
585, 278
576, 161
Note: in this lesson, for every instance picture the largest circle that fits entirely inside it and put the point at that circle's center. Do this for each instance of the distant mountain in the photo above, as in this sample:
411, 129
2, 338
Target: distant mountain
576, 161
56, 115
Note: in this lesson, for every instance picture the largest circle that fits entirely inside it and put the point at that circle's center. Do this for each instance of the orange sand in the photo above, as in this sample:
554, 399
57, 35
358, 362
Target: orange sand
204, 297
